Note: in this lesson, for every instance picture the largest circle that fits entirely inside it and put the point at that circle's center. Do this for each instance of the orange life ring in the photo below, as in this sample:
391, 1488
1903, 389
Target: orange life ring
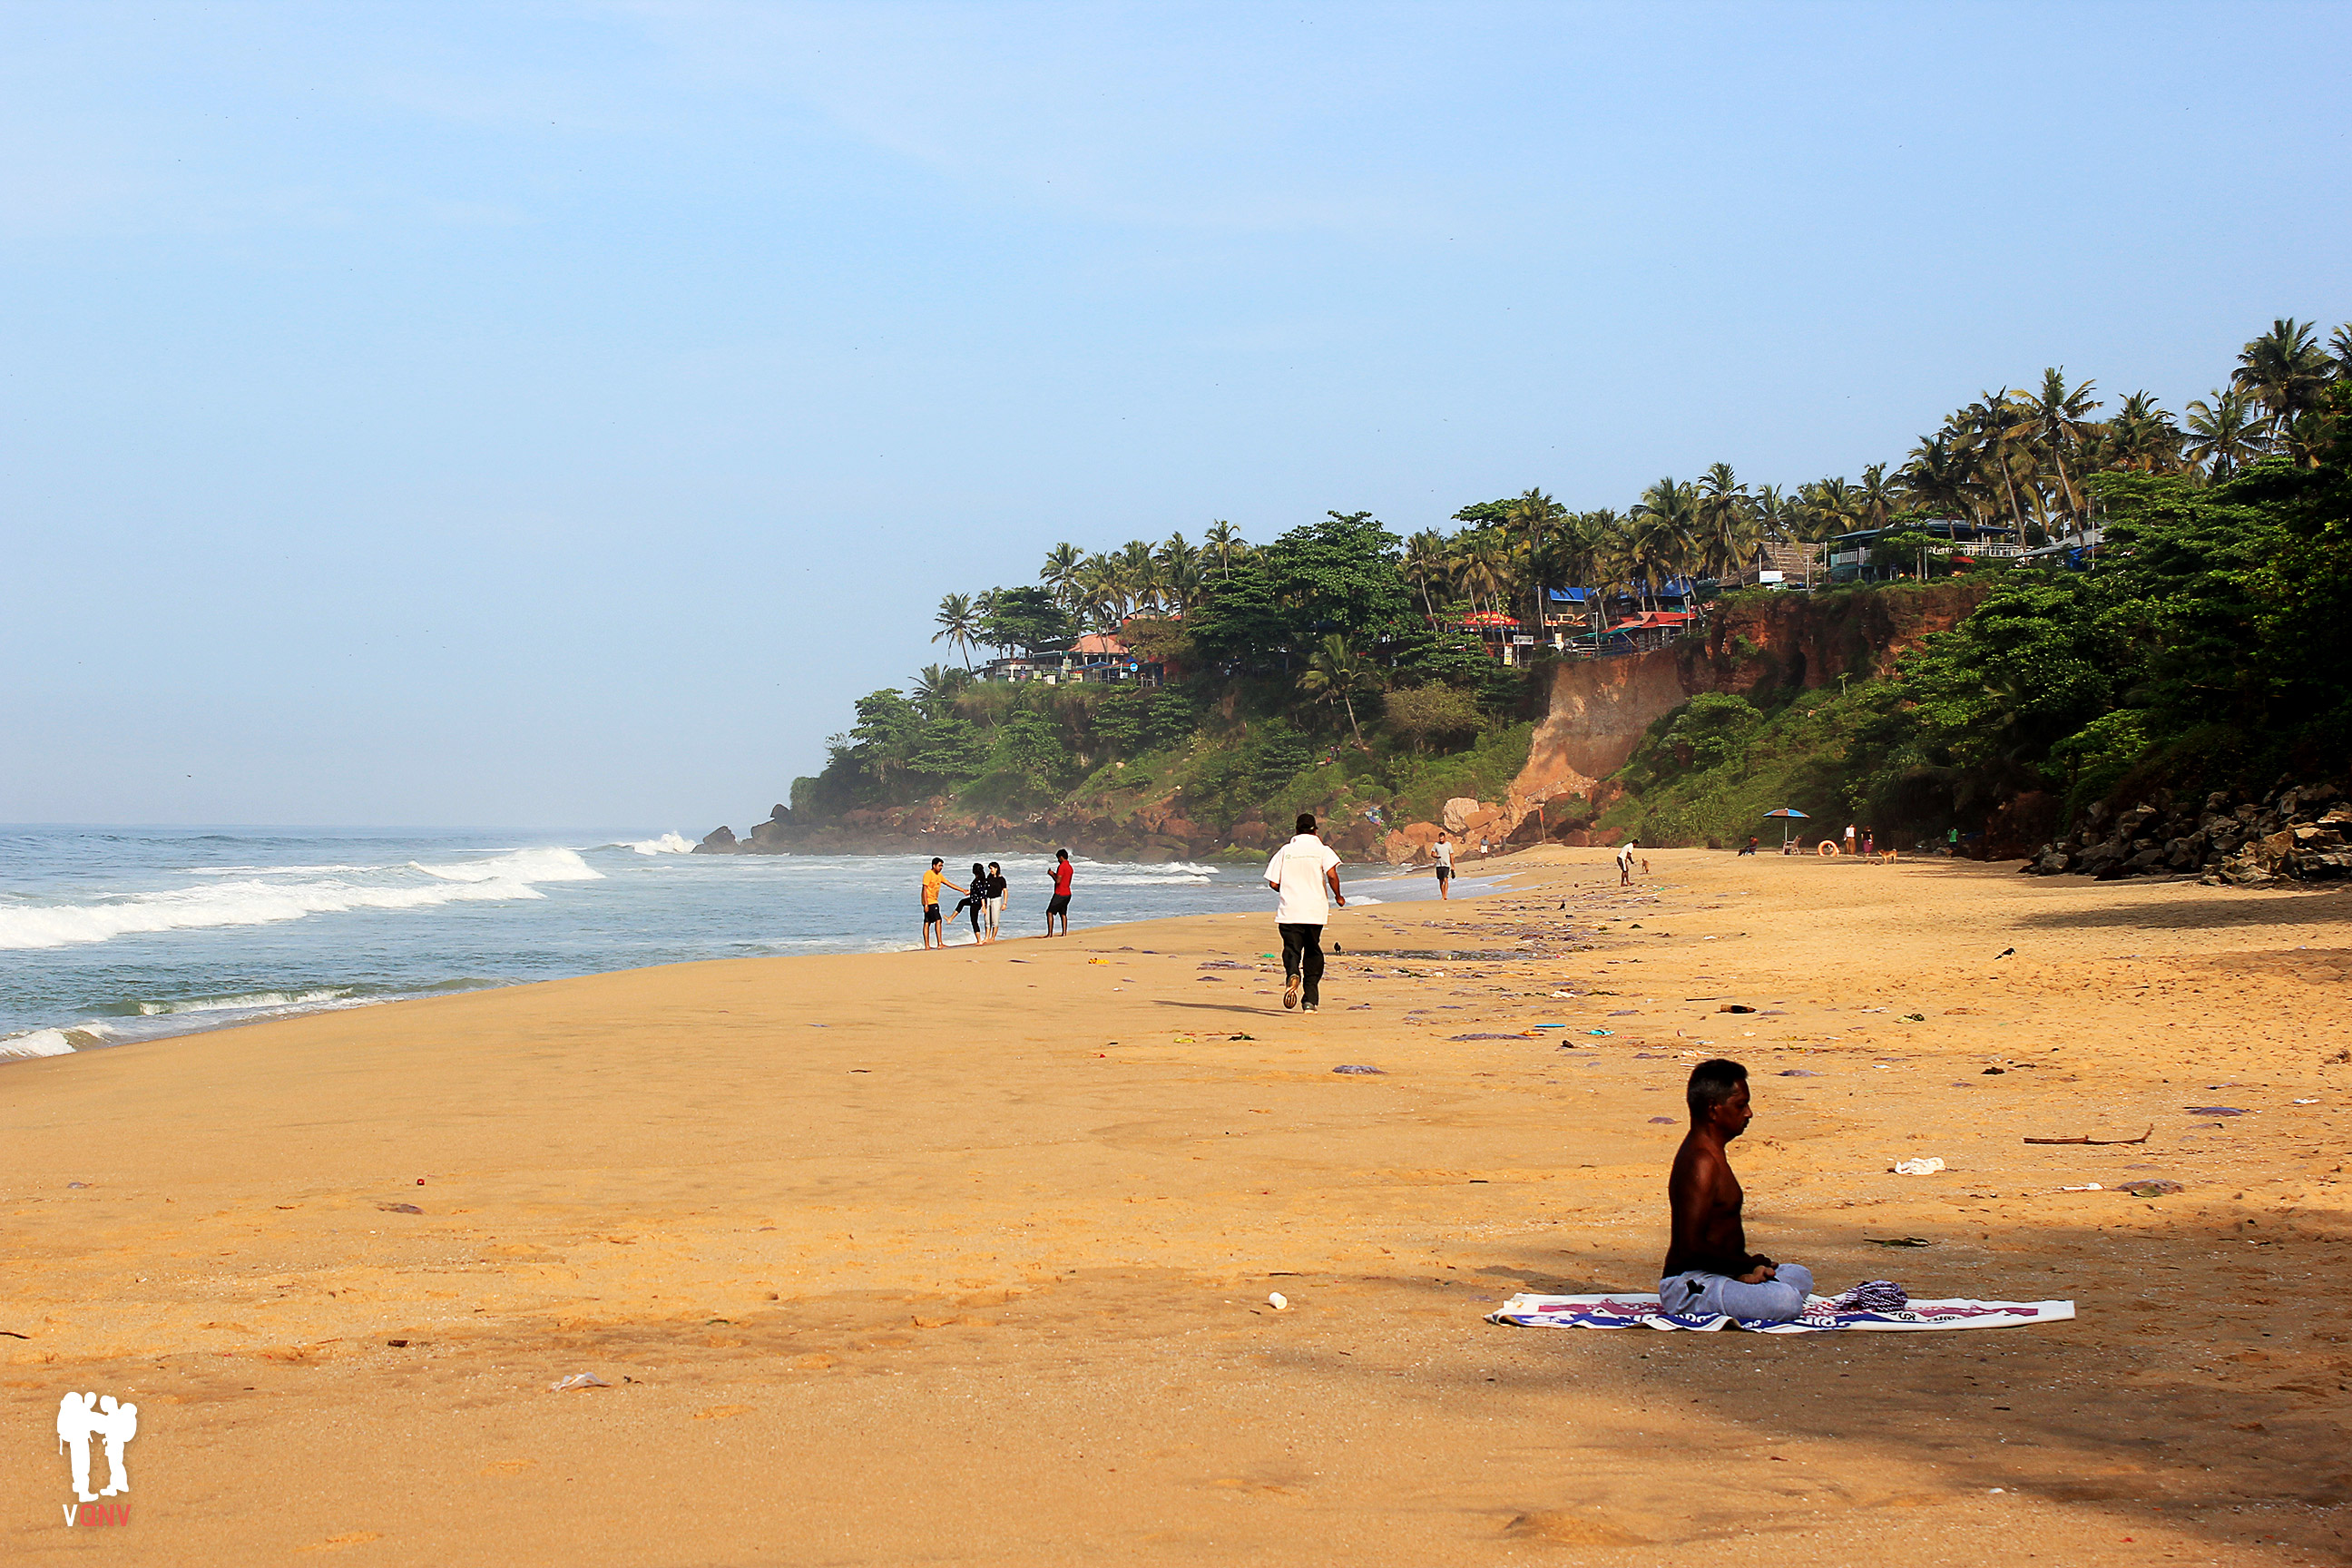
1828, 850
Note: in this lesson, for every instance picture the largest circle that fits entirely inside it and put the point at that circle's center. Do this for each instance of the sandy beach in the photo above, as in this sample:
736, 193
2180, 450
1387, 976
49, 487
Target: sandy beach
966, 1258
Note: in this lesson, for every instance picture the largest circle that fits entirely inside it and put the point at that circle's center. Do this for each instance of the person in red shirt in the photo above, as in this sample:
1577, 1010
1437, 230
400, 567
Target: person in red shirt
1059, 904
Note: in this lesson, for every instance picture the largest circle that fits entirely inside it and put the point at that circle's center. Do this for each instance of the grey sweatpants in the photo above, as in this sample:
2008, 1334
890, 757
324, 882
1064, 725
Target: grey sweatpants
1775, 1301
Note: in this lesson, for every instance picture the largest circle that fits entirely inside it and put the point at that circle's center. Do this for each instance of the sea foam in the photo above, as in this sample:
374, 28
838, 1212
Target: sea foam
38, 1043
668, 844
249, 902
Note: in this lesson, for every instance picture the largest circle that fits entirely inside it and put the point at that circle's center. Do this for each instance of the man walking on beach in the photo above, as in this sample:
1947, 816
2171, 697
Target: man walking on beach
933, 880
1300, 871
1709, 1268
1059, 904
1443, 853
1625, 863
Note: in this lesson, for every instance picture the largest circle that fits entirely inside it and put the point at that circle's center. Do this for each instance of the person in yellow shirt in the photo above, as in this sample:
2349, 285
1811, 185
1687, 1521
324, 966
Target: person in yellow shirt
933, 880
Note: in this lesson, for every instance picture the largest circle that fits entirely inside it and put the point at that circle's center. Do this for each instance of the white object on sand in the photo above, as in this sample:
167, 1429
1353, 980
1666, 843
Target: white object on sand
1926, 1167
2085, 1187
1278, 1301
578, 1380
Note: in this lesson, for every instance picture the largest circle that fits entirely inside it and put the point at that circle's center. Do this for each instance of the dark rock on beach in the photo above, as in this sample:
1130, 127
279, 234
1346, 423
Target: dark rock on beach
2295, 833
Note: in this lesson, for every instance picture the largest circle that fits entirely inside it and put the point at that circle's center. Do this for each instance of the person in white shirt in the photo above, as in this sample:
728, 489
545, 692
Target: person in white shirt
1625, 863
1300, 871
1443, 853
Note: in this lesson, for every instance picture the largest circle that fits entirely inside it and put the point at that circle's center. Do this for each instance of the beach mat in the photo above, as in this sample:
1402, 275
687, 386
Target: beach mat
1636, 1310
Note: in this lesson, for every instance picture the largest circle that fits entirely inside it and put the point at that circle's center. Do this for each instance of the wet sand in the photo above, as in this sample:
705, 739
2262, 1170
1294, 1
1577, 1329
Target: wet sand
965, 1258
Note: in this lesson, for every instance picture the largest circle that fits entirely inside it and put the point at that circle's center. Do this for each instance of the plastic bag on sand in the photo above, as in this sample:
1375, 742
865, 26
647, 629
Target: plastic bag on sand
578, 1380
1926, 1167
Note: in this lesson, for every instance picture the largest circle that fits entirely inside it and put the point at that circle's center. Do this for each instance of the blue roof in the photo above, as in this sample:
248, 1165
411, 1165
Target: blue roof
1568, 595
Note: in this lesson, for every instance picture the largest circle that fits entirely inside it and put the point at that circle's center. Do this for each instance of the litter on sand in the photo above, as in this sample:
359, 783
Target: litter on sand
1278, 1301
578, 1380
1632, 1309
1603, 1033
2151, 1188
1898, 1241
1353, 1066
1926, 1166
2141, 1138
2216, 1111
1799, 1072
2084, 1187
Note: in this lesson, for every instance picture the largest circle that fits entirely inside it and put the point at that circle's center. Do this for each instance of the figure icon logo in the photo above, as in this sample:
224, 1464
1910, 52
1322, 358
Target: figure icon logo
80, 1418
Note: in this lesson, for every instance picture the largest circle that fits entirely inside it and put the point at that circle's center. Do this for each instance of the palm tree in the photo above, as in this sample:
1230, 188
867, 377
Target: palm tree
2223, 433
1725, 519
1665, 530
1180, 571
1424, 562
2057, 417
1336, 670
1480, 566
2339, 345
2143, 436
1060, 573
1996, 429
1937, 477
1225, 543
935, 685
958, 625
1829, 507
2285, 371
1535, 515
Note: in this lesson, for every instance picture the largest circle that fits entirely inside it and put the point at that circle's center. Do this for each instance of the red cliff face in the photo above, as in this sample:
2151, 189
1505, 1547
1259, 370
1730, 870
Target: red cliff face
1758, 647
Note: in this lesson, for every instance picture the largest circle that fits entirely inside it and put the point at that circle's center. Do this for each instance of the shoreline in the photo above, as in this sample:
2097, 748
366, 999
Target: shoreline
971, 1259
106, 1034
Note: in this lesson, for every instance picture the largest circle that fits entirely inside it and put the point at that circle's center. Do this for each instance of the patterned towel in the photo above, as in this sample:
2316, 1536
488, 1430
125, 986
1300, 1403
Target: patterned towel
1639, 1309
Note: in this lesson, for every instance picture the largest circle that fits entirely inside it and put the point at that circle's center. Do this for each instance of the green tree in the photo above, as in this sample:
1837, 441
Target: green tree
2285, 371
1335, 670
2224, 433
1026, 618
1423, 714
958, 625
1340, 574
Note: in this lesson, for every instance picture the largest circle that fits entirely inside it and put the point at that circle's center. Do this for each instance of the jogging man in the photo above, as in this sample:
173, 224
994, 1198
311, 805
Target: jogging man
1300, 871
1059, 904
933, 880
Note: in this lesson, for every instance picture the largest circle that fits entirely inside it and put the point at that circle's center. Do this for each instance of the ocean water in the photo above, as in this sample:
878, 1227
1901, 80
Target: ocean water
110, 934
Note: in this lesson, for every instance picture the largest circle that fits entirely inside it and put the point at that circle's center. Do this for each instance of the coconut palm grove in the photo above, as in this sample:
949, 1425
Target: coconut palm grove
2146, 597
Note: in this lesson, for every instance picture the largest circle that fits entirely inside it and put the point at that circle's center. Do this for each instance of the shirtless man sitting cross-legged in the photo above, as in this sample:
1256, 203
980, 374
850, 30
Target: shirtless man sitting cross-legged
1708, 1268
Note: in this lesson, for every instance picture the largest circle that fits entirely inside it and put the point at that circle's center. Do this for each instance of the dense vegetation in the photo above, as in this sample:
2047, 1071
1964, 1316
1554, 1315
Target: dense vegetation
2209, 645
1330, 664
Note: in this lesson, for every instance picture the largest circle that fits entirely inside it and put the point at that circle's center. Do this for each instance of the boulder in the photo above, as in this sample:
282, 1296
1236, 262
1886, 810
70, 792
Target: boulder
718, 841
1458, 812
1397, 850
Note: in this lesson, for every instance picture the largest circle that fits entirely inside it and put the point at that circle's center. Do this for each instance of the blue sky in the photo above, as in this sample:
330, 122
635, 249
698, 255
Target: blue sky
550, 414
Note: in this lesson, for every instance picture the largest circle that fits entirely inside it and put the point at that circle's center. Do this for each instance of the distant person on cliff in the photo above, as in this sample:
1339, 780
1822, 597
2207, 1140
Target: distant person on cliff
995, 900
933, 880
1443, 853
1709, 1268
1300, 871
1059, 904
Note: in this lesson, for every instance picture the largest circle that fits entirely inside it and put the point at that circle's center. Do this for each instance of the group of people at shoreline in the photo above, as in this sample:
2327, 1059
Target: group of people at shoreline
984, 897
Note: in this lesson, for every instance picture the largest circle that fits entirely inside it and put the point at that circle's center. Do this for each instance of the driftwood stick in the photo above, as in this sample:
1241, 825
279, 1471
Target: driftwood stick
2141, 1138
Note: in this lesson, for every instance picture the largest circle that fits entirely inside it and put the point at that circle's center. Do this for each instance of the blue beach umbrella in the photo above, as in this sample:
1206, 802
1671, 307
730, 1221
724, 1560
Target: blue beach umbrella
1788, 814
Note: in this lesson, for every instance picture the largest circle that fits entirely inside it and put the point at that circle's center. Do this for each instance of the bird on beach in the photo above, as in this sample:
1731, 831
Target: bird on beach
2004, 952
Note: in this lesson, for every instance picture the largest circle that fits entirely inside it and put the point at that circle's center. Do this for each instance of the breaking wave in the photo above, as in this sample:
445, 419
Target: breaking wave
668, 844
253, 901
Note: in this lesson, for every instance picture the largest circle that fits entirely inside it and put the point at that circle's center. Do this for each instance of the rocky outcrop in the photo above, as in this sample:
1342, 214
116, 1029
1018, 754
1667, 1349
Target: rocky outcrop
1758, 646
718, 841
2294, 833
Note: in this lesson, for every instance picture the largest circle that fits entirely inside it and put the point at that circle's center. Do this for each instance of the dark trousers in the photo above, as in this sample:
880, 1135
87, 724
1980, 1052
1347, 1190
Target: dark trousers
1302, 948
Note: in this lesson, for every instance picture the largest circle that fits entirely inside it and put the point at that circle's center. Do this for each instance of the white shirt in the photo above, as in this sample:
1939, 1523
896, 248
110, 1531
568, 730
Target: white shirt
1625, 855
1444, 853
1298, 868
